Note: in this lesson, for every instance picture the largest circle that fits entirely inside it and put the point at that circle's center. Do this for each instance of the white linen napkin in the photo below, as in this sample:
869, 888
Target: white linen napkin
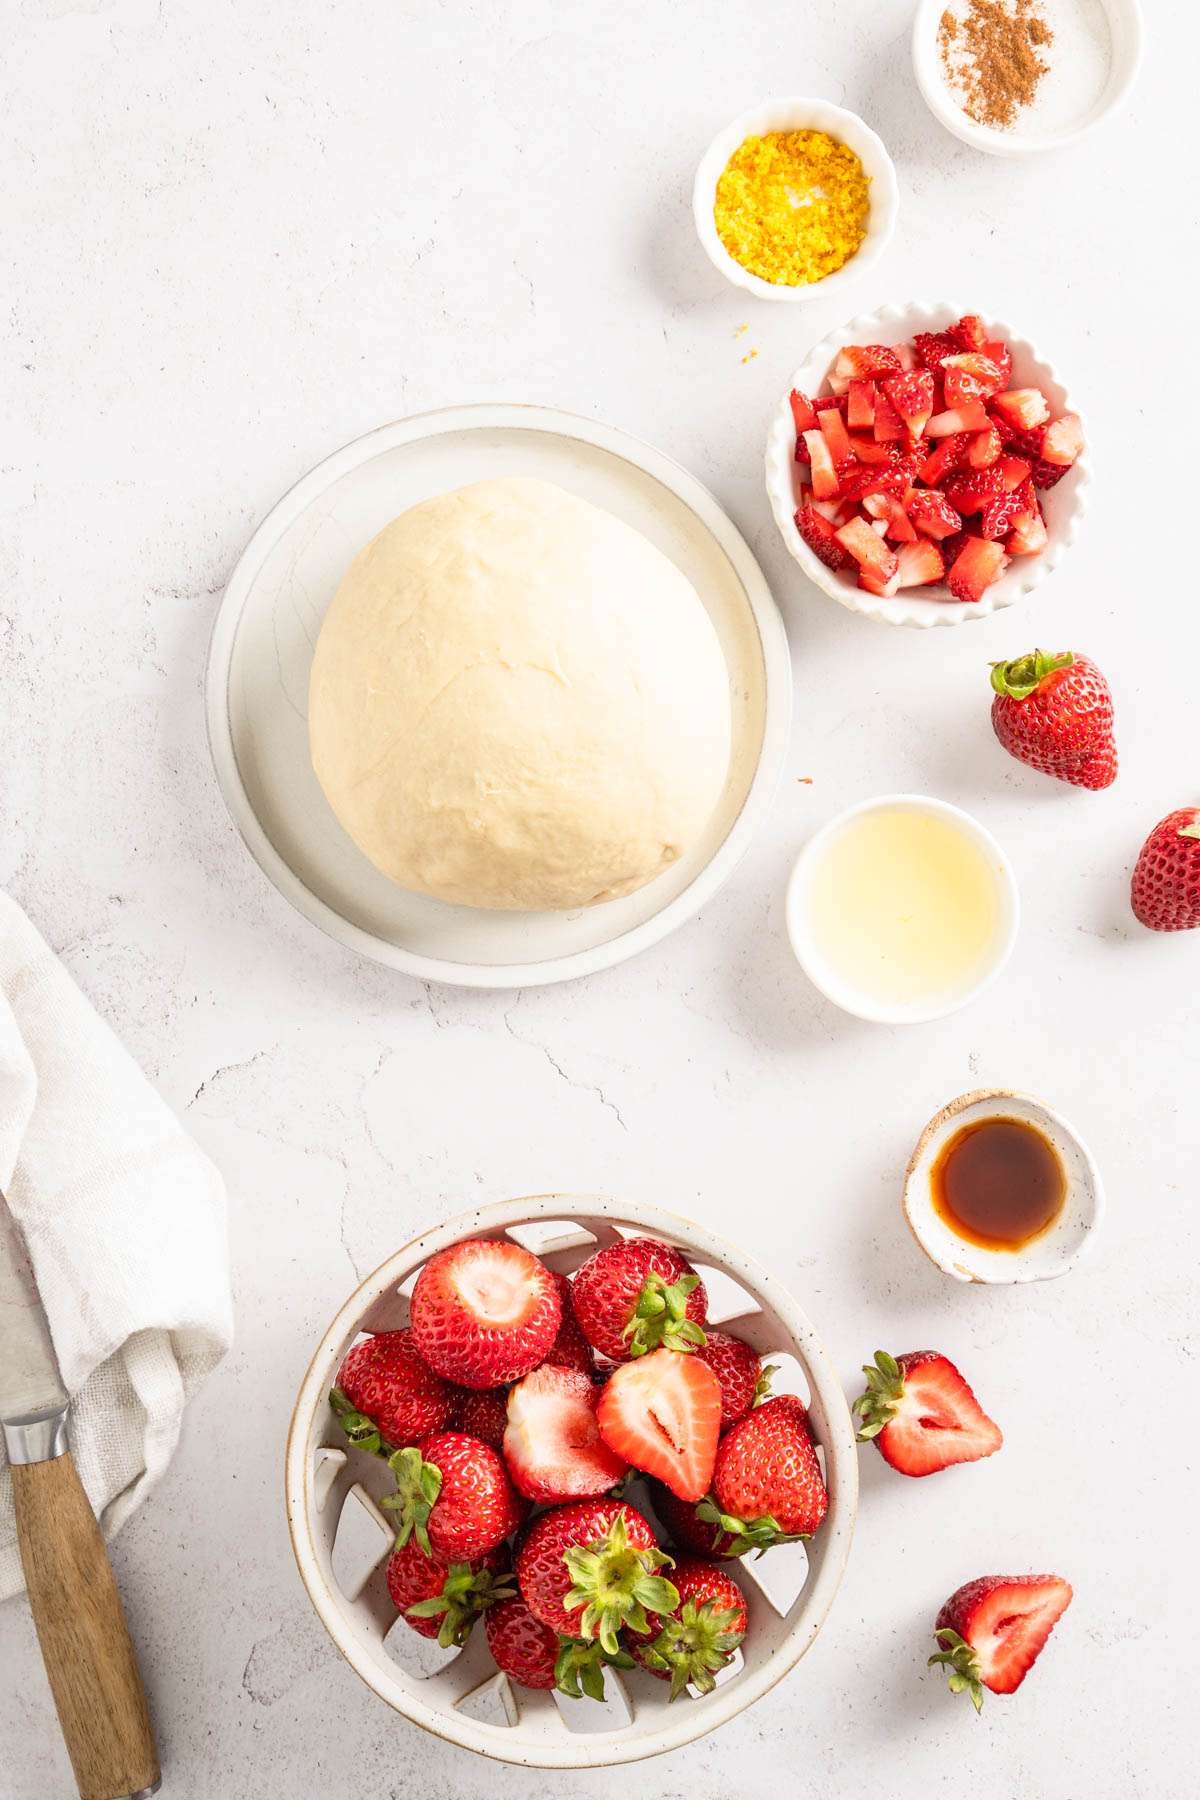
124, 1220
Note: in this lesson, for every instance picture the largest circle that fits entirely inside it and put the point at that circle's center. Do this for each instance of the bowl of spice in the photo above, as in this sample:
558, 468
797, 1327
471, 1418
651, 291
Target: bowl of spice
794, 198
1014, 77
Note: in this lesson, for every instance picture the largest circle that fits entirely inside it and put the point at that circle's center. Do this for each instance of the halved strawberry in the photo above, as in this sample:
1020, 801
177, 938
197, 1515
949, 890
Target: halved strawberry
932, 346
932, 513
803, 412
484, 1311
984, 448
921, 1415
911, 396
889, 426
970, 491
919, 564
992, 1630
820, 459
821, 538
997, 351
969, 376
1013, 471
864, 362
968, 333
662, 1414
976, 566
896, 521
951, 454
1022, 407
1062, 441
860, 412
1028, 536
868, 549
552, 1443
972, 417
833, 430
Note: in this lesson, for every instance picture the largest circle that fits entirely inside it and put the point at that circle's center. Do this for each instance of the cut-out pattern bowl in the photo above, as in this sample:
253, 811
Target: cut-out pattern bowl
333, 1495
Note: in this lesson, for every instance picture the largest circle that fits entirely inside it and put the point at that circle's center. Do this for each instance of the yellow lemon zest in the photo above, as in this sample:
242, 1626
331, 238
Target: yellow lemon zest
792, 206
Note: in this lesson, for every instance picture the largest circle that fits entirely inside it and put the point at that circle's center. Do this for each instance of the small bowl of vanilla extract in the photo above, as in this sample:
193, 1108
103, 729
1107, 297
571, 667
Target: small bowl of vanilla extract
1000, 1188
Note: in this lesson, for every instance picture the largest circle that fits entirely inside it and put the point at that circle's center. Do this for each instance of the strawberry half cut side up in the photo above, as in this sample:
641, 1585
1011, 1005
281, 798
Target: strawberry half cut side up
662, 1414
921, 1415
992, 1631
614, 1585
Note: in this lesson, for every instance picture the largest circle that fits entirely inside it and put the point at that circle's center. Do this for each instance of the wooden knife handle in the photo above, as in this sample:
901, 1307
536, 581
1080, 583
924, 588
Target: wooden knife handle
81, 1626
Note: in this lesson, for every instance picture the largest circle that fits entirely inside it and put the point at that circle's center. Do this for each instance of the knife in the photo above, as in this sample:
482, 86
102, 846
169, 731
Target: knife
81, 1627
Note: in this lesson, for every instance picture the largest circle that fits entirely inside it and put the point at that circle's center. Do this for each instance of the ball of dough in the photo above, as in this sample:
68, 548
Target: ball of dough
518, 702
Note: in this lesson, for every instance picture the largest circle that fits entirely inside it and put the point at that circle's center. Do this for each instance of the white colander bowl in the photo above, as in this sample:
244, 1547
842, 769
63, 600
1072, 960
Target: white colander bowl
461, 1696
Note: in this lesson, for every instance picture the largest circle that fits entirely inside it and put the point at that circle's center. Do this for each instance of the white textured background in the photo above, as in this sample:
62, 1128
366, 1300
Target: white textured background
235, 236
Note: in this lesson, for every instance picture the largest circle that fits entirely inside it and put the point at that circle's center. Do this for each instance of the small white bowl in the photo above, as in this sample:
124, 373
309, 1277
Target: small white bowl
830, 983
1125, 34
1064, 504
797, 114
1058, 1248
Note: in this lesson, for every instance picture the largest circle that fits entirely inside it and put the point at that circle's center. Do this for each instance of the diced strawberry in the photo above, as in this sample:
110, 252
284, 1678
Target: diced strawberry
999, 516
662, 1413
906, 356
999, 353
803, 412
868, 549
824, 402
911, 396
828, 509
1062, 441
1013, 471
972, 417
969, 376
889, 427
976, 566
824, 474
1023, 443
984, 448
1022, 407
833, 429
860, 412
968, 333
919, 564
950, 454
1045, 474
951, 547
868, 451
859, 362
971, 492
819, 534
875, 478
1028, 536
932, 346
932, 514
887, 508
884, 589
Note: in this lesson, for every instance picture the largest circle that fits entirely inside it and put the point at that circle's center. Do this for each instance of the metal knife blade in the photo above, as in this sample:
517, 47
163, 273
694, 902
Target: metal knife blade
29, 1379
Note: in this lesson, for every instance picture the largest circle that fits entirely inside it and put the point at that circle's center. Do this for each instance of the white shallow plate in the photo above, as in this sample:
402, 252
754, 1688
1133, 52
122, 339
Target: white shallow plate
262, 646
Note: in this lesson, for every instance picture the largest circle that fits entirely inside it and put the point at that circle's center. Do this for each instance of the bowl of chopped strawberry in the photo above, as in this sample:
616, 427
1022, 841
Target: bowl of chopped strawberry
926, 466
563, 1424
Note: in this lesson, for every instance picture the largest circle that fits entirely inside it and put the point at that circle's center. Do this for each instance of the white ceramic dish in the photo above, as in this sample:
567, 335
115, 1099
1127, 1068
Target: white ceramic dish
1064, 504
257, 689
1124, 19
827, 979
528, 1727
1058, 1248
797, 114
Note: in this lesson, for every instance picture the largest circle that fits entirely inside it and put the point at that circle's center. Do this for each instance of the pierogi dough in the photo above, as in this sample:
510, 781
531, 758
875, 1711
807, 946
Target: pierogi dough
518, 702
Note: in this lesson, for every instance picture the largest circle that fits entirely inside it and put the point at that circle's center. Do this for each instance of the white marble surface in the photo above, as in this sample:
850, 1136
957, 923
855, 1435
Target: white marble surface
236, 236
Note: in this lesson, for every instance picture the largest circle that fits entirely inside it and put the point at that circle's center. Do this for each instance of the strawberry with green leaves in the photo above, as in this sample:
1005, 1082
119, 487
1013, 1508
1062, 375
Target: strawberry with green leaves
1054, 712
992, 1631
590, 1569
691, 1645
535, 1657
767, 1484
921, 1415
636, 1295
387, 1395
453, 1497
443, 1600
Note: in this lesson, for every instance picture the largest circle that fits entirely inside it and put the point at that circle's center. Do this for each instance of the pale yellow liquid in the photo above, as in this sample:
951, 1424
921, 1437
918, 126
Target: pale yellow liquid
904, 907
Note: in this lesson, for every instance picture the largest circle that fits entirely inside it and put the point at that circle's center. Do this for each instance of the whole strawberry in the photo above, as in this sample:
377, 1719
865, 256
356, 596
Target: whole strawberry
992, 1630
443, 1600
1055, 713
767, 1484
453, 1496
637, 1295
570, 1349
387, 1395
687, 1530
535, 1657
481, 1413
589, 1569
484, 1312
689, 1646
1165, 892
739, 1370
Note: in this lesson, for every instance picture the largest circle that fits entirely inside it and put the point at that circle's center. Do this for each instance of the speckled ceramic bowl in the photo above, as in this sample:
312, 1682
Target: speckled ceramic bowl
1058, 1248
463, 1697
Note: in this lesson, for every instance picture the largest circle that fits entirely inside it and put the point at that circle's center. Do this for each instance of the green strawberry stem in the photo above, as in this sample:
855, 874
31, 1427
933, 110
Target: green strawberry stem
579, 1667
659, 1317
362, 1432
1024, 674
879, 1400
963, 1665
418, 1485
759, 1534
615, 1584
693, 1647
762, 1387
466, 1593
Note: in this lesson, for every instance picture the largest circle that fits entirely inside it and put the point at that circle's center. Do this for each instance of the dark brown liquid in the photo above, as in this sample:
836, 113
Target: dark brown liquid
998, 1183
